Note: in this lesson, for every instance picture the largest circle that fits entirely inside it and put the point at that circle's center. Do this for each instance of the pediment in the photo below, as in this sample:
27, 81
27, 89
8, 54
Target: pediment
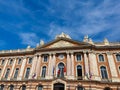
63, 43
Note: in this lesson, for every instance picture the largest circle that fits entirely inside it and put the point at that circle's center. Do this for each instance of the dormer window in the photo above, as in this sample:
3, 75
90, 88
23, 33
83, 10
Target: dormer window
78, 57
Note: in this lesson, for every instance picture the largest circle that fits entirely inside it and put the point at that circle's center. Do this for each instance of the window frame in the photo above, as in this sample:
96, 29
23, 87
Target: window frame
30, 60
27, 75
101, 72
76, 56
7, 73
19, 61
103, 58
43, 75
45, 58
15, 73
117, 57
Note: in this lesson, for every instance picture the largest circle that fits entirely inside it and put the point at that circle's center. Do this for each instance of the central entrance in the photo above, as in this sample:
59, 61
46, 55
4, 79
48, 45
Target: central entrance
58, 86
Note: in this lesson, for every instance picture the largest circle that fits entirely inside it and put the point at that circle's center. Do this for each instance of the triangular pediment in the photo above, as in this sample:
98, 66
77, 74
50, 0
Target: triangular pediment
63, 43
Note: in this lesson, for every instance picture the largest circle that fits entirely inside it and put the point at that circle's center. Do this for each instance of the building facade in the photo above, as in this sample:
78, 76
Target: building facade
62, 64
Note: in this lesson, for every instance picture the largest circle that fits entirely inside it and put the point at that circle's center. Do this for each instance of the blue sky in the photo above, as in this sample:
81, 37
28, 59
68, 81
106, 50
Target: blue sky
25, 22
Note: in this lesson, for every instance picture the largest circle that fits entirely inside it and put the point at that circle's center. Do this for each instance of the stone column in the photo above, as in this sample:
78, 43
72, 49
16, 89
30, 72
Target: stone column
38, 67
4, 68
13, 68
86, 64
48, 76
93, 66
33, 68
21, 74
72, 65
68, 65
112, 66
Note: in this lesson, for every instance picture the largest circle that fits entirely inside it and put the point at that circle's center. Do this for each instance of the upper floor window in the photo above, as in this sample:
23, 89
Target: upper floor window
45, 58
11, 87
30, 60
16, 72
119, 68
101, 58
40, 87
7, 73
0, 70
79, 72
23, 87
2, 87
27, 72
118, 57
3, 61
19, 61
43, 71
78, 57
103, 72
11, 61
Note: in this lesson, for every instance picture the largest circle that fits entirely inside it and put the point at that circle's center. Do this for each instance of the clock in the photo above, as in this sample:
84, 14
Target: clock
61, 56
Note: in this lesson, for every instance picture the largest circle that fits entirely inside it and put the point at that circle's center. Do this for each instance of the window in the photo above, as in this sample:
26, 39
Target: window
19, 61
3, 61
30, 60
104, 72
2, 87
61, 70
43, 71
119, 68
79, 72
107, 88
78, 57
11, 61
40, 87
118, 57
23, 87
16, 72
27, 73
101, 58
80, 88
11, 87
45, 58
7, 73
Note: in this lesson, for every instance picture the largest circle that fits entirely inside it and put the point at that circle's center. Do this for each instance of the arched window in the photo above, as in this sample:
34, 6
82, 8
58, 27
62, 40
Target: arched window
27, 72
23, 87
79, 72
43, 72
60, 72
40, 87
80, 88
101, 58
118, 57
1, 87
11, 87
104, 72
7, 73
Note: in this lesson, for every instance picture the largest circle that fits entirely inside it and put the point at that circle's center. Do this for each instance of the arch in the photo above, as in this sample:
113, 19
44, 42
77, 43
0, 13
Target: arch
61, 70
104, 74
79, 72
59, 86
107, 88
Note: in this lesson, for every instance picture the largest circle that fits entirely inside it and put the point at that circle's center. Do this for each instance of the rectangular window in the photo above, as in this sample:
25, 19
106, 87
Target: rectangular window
39, 87
7, 73
0, 71
45, 58
11, 61
118, 57
78, 57
3, 61
101, 58
16, 72
30, 60
19, 61
27, 73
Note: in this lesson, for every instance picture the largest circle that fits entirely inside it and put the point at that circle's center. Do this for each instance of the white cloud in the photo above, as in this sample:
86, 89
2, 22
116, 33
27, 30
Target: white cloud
29, 38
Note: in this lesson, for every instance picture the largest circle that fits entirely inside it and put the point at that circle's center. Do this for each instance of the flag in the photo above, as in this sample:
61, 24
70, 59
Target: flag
33, 76
64, 69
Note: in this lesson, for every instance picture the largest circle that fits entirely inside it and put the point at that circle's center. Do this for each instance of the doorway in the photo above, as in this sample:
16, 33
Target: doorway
59, 86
